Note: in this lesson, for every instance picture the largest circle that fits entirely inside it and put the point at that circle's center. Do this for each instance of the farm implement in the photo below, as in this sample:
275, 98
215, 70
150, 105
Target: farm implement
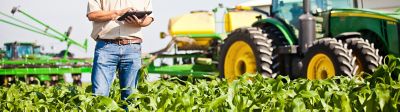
24, 61
195, 42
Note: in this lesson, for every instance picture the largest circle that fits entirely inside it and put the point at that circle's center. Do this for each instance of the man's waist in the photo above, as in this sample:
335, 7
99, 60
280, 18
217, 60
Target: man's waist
115, 32
123, 41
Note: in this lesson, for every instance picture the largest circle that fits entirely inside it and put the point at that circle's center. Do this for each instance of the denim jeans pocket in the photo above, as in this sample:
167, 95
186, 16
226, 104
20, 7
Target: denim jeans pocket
101, 45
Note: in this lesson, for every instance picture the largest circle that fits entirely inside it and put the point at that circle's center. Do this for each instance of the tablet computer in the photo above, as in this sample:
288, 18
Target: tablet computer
138, 14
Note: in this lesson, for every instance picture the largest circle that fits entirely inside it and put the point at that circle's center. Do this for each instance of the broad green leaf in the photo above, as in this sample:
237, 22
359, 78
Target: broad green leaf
308, 94
217, 102
106, 103
298, 105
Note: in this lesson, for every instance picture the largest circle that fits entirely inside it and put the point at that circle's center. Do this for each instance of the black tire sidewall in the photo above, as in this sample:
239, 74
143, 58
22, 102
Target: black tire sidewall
358, 53
241, 34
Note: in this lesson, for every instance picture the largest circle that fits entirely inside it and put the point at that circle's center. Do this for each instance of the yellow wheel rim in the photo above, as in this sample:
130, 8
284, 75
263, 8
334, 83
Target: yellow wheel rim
239, 59
320, 67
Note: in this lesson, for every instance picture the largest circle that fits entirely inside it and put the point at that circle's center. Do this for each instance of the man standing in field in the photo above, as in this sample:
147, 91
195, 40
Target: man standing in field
117, 43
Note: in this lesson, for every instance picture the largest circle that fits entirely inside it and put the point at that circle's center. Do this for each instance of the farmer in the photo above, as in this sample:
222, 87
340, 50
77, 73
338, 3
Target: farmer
118, 47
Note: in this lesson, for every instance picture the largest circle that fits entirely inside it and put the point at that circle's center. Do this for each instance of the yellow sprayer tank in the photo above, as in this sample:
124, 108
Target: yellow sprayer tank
199, 22
193, 23
237, 19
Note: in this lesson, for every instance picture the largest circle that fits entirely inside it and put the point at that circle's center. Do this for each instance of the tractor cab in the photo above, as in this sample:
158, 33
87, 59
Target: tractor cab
21, 50
289, 11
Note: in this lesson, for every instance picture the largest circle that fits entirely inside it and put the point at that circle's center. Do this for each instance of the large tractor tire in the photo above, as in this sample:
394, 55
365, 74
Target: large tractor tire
367, 57
8, 80
246, 50
326, 58
31, 79
278, 39
76, 77
375, 40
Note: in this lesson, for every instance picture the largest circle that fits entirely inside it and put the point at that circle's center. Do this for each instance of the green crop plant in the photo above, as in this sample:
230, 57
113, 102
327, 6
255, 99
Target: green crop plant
379, 91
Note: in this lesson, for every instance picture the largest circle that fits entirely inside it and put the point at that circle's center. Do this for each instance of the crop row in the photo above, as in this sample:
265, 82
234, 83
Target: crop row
379, 91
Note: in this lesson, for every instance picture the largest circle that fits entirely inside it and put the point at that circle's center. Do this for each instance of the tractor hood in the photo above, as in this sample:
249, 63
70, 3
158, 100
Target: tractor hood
391, 16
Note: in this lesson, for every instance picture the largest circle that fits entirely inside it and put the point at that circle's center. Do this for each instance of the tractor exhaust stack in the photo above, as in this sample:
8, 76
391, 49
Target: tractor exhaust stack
307, 27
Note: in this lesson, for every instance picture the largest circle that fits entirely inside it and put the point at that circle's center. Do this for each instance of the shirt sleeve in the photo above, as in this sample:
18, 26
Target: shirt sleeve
150, 8
93, 5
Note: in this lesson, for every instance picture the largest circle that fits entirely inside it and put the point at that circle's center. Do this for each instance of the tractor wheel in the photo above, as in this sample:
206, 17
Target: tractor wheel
31, 79
326, 58
54, 79
9, 80
77, 79
246, 50
377, 43
367, 57
278, 39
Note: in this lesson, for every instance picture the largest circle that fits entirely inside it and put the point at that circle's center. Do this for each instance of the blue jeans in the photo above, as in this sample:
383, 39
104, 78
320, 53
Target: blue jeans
109, 58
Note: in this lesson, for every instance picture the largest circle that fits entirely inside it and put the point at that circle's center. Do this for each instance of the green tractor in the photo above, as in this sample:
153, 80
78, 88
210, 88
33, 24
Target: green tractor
315, 39
22, 50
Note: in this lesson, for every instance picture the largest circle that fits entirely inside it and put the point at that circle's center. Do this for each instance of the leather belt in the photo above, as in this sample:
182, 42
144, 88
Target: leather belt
123, 41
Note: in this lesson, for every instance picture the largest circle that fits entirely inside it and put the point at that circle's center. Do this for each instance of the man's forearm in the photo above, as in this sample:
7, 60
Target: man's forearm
147, 21
101, 16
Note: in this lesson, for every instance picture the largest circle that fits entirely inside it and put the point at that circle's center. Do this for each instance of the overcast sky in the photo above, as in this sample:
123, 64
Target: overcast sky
61, 14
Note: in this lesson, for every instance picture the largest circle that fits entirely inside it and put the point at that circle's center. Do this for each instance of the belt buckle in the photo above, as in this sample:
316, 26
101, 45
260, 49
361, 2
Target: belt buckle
119, 42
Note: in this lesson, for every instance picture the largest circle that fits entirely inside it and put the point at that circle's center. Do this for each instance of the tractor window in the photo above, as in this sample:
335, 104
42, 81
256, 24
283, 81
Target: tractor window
282, 6
24, 50
340, 4
325, 5
36, 50
290, 10
9, 51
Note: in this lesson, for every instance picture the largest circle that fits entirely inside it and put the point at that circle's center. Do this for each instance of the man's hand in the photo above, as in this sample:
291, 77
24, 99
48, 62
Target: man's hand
123, 11
133, 20
102, 16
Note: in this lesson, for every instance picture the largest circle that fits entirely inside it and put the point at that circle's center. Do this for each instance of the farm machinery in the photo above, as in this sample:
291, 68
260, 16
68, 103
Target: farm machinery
25, 61
315, 39
195, 40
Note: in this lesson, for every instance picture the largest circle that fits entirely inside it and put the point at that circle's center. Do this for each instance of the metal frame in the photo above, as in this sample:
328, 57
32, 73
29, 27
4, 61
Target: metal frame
43, 68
